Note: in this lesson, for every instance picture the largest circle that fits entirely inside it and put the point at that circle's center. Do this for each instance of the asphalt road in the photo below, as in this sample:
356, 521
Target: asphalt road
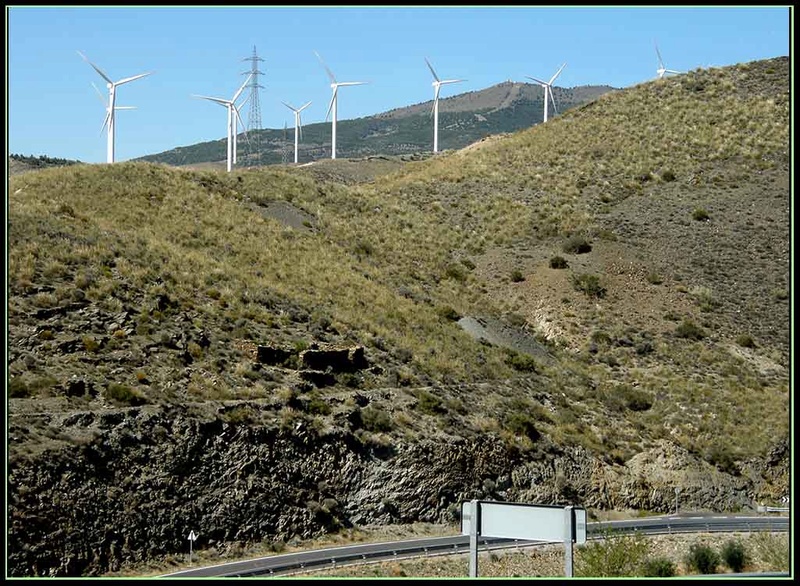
329, 557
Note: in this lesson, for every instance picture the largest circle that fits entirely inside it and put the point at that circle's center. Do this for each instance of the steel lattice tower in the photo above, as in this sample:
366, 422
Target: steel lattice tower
254, 117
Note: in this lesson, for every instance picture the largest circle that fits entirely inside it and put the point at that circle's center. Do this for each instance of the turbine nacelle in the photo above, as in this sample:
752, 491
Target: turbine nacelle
548, 89
233, 117
111, 107
662, 70
437, 87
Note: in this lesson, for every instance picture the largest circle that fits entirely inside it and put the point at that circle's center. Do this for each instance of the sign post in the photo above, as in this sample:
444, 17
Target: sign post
549, 523
473, 539
569, 535
192, 537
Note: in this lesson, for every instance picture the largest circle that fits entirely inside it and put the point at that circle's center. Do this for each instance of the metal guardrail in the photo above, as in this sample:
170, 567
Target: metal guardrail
301, 562
763, 509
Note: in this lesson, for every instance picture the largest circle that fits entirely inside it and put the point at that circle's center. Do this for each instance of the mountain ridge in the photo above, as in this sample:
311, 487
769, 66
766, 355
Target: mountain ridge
464, 118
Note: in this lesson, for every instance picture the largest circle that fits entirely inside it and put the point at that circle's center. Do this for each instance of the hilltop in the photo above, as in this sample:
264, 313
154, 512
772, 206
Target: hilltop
463, 119
594, 311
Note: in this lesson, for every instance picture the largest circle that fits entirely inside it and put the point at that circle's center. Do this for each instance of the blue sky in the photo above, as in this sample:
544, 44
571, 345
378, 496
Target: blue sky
53, 110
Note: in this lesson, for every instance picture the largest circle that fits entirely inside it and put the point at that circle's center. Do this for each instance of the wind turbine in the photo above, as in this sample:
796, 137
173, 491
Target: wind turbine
236, 120
332, 107
298, 126
437, 85
111, 107
233, 116
661, 71
105, 105
548, 89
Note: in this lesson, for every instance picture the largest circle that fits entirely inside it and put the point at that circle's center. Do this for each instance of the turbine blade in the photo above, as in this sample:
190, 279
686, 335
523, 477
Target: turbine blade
96, 68
536, 79
660, 61
330, 73
352, 82
217, 100
100, 95
452, 81
552, 79
303, 107
124, 107
330, 106
552, 99
135, 77
299, 127
288, 106
436, 77
239, 118
105, 121
241, 89
435, 97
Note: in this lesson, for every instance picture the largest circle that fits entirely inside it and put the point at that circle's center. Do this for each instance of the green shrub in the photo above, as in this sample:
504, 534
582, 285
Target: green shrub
317, 405
448, 313
521, 424
772, 549
745, 341
659, 567
589, 285
667, 176
429, 403
701, 558
124, 395
636, 399
519, 361
457, 272
558, 262
577, 244
654, 278
375, 420
517, 276
17, 388
689, 330
722, 457
700, 215
622, 555
241, 414
734, 555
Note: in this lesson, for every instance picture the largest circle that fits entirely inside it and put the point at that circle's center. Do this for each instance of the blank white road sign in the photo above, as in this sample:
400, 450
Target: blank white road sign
524, 521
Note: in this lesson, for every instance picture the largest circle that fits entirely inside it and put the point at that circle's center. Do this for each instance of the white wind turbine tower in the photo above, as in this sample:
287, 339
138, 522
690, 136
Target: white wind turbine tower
332, 107
548, 90
437, 85
111, 107
233, 116
298, 126
236, 119
661, 71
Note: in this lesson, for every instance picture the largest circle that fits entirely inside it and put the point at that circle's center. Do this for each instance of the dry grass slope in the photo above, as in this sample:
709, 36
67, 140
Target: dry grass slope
163, 281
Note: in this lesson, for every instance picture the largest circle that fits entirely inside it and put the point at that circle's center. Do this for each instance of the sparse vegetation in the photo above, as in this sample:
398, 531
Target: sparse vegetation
136, 282
577, 244
588, 284
734, 555
702, 559
613, 556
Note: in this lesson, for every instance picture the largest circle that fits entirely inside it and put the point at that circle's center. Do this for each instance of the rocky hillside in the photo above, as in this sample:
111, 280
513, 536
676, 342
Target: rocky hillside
463, 119
591, 311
